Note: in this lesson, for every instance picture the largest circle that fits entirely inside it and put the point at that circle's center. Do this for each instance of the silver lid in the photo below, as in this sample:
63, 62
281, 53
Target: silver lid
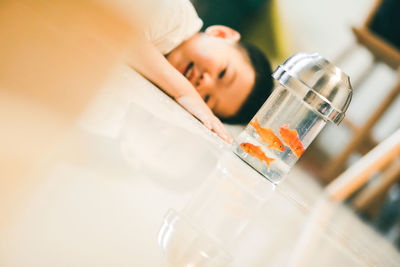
323, 86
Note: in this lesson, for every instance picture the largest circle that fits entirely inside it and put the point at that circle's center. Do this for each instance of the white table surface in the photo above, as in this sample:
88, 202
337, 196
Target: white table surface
102, 197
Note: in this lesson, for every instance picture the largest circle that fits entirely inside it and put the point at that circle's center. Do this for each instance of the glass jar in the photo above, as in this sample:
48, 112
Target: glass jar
309, 91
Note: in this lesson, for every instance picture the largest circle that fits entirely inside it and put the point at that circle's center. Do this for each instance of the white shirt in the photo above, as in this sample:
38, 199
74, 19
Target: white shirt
173, 21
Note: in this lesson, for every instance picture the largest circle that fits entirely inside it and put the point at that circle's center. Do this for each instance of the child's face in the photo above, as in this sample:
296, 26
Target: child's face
218, 69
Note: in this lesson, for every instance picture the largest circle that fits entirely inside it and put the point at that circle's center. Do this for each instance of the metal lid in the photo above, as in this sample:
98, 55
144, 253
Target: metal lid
323, 86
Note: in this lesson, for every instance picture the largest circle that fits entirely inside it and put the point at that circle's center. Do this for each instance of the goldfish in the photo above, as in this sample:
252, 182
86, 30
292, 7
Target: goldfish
257, 152
291, 138
267, 136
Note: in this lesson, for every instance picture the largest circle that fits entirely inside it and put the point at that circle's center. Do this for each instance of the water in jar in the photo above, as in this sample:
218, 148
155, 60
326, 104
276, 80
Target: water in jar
285, 114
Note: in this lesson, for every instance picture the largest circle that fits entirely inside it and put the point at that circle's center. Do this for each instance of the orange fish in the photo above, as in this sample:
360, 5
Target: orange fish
257, 152
291, 138
267, 136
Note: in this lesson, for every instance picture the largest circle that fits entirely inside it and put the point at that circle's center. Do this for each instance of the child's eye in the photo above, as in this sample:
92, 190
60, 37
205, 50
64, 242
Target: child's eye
206, 98
222, 74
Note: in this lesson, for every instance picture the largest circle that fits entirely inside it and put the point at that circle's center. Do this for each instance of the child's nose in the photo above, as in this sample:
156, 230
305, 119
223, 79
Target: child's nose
204, 82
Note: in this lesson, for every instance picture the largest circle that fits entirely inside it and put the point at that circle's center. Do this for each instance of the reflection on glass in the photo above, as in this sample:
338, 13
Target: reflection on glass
201, 234
175, 160
186, 245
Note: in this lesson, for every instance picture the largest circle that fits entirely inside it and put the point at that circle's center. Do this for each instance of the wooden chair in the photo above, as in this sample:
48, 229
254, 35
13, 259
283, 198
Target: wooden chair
384, 158
361, 140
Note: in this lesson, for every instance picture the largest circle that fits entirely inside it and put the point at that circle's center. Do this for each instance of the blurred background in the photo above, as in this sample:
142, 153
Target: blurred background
362, 38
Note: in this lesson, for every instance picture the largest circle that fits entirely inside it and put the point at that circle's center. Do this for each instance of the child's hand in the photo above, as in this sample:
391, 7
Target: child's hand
147, 60
195, 105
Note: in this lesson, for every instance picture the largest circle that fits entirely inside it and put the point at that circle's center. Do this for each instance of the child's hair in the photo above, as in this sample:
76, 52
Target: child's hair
262, 88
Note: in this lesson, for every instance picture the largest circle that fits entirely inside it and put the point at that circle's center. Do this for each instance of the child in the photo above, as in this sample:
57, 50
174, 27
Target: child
233, 78
207, 72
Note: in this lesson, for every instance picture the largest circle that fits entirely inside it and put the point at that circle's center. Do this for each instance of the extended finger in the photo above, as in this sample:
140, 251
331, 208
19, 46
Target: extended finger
220, 130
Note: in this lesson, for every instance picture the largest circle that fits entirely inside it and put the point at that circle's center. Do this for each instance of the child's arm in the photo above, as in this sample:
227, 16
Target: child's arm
147, 60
